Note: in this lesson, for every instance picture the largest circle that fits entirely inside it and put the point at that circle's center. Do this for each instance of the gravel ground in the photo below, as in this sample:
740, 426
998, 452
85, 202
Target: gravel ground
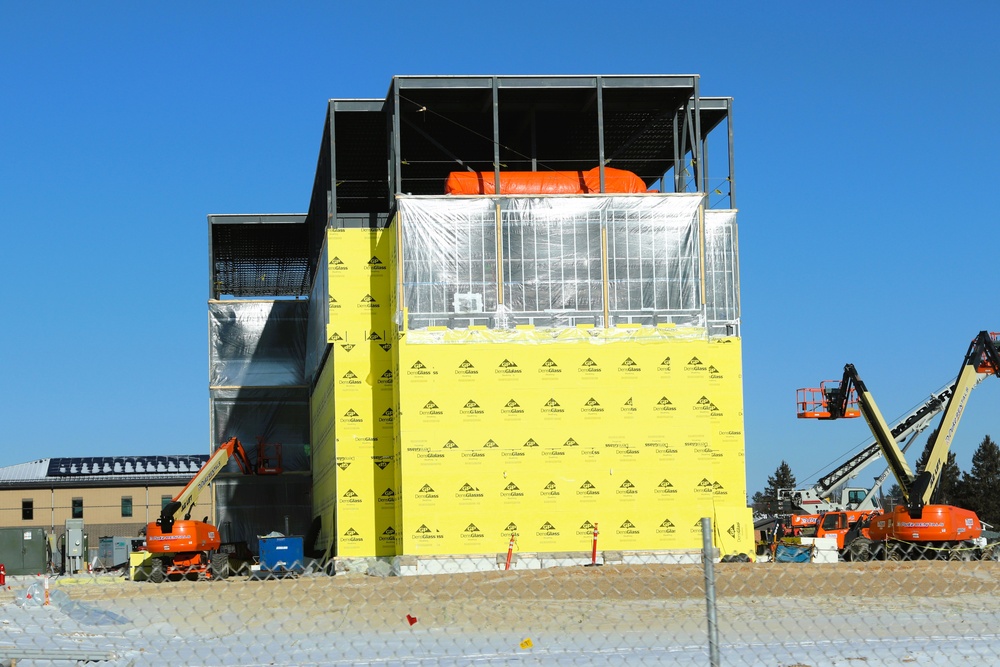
768, 614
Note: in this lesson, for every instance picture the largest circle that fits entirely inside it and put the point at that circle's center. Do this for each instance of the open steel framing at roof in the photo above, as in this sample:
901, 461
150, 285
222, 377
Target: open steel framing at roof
259, 256
427, 126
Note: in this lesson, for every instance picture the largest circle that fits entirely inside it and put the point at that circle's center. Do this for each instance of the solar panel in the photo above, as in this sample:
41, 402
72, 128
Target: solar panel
124, 465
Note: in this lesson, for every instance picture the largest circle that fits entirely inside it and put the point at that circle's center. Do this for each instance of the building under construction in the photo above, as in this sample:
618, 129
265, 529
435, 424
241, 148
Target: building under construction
511, 309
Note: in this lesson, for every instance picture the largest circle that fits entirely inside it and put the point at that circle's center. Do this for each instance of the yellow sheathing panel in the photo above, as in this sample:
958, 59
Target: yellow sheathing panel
440, 442
323, 454
353, 402
637, 430
733, 530
361, 279
366, 491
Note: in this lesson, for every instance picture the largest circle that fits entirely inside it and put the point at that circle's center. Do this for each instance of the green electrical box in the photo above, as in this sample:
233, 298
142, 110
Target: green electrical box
24, 550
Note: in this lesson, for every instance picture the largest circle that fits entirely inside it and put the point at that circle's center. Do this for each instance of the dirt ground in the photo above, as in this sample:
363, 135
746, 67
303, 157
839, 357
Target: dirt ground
561, 598
884, 613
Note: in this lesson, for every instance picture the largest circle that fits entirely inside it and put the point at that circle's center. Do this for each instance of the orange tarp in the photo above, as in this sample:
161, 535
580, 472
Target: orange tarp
543, 182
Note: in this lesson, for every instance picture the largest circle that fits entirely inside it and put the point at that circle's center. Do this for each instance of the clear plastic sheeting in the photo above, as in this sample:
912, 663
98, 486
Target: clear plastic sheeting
722, 275
449, 259
653, 260
274, 416
556, 259
37, 595
258, 390
257, 343
552, 261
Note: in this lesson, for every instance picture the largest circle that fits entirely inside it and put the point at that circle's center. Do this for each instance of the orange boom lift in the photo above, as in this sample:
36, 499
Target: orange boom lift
916, 529
185, 546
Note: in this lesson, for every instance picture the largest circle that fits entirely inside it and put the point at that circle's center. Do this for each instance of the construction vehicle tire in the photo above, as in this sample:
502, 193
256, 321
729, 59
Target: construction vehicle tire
860, 550
157, 571
962, 554
219, 566
895, 552
991, 552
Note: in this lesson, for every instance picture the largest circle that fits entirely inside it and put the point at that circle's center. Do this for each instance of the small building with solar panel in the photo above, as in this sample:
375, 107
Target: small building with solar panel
113, 495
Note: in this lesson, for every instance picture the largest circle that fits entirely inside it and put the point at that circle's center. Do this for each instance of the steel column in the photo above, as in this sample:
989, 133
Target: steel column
698, 146
396, 160
331, 202
600, 130
732, 160
677, 153
496, 137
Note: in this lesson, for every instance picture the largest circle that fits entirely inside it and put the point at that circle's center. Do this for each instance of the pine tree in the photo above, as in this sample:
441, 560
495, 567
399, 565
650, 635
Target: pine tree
947, 491
948, 486
781, 479
979, 485
894, 497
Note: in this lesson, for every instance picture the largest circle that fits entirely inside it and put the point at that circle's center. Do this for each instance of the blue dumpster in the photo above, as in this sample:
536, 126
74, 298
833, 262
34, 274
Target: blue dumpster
281, 554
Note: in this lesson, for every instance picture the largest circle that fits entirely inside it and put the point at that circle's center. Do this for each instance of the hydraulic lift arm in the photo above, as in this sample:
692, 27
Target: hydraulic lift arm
839, 400
904, 431
183, 502
982, 357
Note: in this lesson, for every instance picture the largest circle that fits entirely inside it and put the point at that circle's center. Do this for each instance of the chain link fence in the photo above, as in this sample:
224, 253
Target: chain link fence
602, 612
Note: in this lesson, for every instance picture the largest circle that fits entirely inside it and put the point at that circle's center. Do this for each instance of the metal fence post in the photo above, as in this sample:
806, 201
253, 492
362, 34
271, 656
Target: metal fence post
708, 558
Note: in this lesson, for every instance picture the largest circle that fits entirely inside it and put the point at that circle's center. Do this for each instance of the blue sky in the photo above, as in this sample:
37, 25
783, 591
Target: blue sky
864, 161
